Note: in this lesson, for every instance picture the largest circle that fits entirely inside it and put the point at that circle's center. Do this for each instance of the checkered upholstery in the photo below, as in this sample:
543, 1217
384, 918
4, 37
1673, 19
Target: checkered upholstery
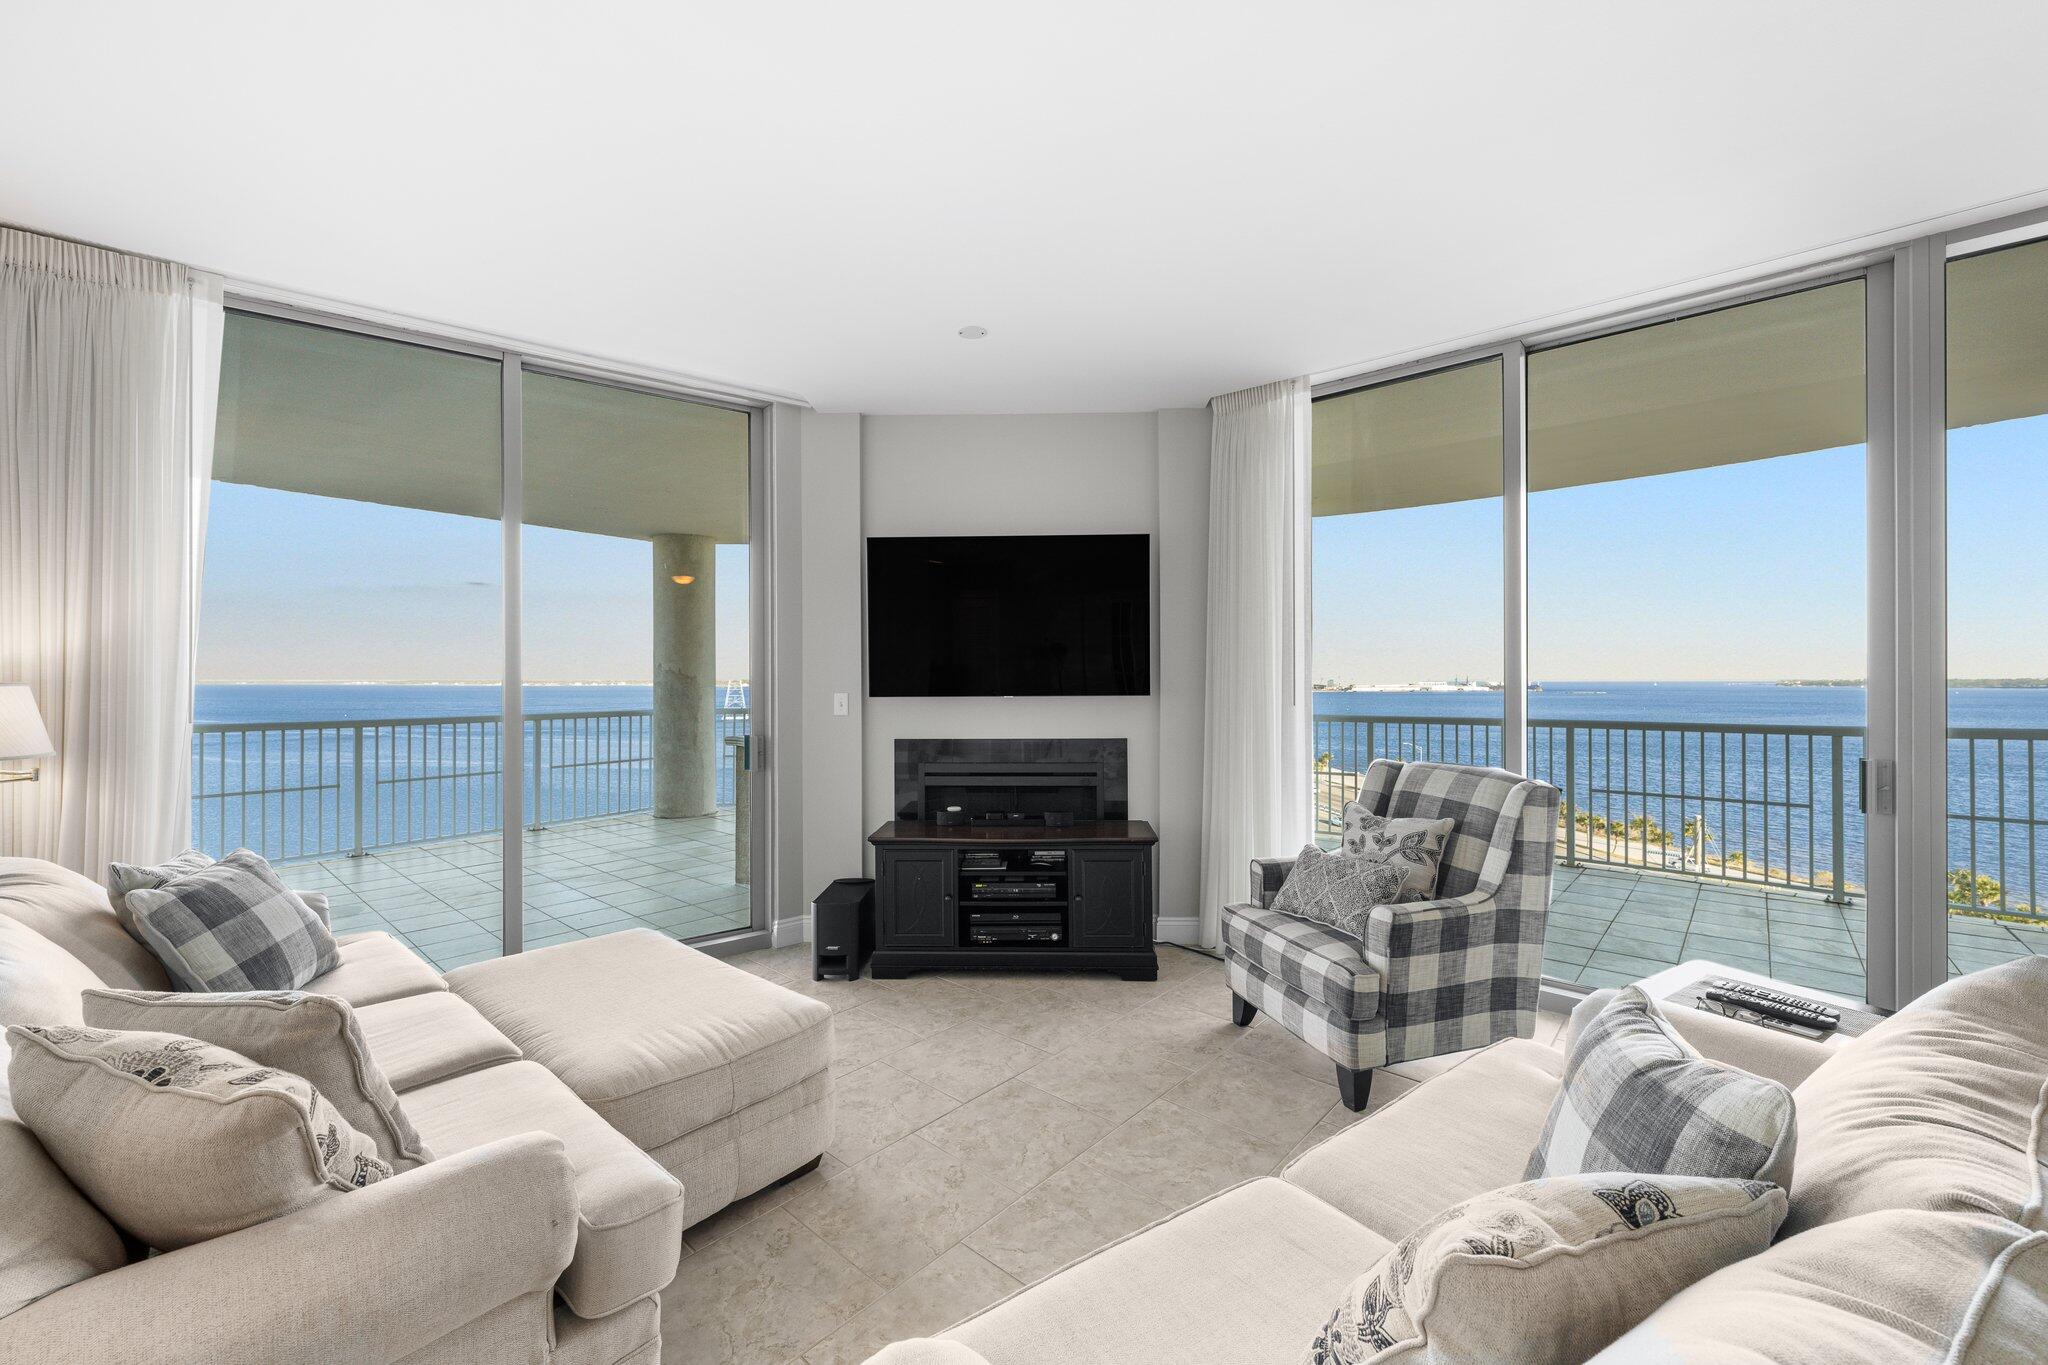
232, 926
1322, 963
1360, 1044
1459, 971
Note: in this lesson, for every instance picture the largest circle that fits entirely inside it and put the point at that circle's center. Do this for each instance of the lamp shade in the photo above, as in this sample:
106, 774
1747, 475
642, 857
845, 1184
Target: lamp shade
21, 726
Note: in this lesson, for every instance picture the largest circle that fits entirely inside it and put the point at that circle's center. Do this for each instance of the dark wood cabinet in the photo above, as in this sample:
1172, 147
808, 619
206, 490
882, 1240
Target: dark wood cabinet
1090, 882
1112, 901
914, 898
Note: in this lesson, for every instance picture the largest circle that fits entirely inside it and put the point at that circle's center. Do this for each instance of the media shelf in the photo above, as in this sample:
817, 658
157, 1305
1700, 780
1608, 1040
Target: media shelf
1077, 896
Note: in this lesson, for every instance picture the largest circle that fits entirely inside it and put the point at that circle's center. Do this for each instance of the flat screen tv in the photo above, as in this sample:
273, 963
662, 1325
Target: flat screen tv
1009, 616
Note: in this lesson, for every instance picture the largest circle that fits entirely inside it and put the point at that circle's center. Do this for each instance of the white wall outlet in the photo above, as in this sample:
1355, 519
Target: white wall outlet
838, 703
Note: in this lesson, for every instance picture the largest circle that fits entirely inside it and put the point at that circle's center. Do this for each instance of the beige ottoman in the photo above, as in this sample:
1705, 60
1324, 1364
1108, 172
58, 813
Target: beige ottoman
718, 1075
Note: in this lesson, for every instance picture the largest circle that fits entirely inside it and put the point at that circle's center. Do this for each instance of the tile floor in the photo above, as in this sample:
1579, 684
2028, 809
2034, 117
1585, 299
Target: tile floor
1608, 927
991, 1128
584, 879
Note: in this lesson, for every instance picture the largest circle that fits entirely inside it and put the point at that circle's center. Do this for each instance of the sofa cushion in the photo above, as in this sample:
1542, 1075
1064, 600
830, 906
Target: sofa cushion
1892, 1286
1325, 965
629, 1212
1548, 1272
72, 912
179, 1141
314, 1037
420, 1039
40, 983
232, 926
615, 1339
1939, 1107
1337, 892
376, 967
51, 1235
658, 1038
1638, 1097
1247, 1275
2008, 1320
1457, 1135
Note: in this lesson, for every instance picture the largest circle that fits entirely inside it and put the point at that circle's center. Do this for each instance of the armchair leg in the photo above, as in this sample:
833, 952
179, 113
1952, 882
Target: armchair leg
1354, 1087
1242, 1011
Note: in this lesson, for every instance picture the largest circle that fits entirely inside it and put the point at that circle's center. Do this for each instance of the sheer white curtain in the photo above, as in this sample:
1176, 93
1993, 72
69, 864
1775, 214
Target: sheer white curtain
1255, 798
109, 373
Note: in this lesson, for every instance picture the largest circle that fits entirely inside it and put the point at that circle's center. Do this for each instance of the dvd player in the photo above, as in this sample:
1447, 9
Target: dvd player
1036, 891
980, 917
1015, 933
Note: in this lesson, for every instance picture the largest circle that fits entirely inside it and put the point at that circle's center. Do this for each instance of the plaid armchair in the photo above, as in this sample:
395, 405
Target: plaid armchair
1442, 975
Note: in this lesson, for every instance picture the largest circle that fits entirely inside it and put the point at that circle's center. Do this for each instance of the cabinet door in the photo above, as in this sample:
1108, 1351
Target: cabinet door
1112, 897
916, 901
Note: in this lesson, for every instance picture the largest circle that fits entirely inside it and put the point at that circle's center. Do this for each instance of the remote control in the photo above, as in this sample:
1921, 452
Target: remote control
1790, 1009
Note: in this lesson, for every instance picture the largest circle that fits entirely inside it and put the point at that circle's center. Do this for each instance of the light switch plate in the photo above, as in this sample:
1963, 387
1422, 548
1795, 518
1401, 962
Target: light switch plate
838, 703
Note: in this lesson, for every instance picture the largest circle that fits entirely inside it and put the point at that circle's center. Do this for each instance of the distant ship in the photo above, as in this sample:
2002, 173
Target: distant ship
1535, 687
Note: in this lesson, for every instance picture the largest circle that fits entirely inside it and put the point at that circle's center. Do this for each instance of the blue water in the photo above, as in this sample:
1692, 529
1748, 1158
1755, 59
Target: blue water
255, 703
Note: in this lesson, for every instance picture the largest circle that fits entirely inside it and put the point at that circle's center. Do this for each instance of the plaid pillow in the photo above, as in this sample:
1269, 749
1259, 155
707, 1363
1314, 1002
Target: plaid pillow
1341, 892
125, 877
233, 926
1637, 1097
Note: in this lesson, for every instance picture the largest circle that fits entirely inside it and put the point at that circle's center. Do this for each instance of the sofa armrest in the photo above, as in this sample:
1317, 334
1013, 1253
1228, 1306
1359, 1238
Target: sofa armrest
366, 1277
927, 1351
1267, 876
1771, 1053
1404, 928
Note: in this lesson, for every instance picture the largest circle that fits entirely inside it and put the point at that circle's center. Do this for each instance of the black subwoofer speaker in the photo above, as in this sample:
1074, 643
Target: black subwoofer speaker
843, 928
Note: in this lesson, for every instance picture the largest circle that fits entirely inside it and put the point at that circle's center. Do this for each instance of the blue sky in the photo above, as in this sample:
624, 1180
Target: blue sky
305, 588
1745, 572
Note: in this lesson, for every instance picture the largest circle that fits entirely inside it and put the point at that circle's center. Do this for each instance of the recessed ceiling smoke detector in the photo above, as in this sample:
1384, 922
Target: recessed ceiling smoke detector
971, 333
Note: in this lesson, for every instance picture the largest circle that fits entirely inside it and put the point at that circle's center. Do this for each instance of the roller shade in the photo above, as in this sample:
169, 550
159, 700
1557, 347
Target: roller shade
319, 410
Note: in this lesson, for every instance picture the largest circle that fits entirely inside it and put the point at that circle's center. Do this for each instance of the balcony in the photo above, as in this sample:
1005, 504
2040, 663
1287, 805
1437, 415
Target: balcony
1739, 843
397, 820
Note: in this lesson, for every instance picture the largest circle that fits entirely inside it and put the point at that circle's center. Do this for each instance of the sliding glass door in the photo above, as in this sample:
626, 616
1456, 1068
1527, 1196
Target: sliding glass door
353, 719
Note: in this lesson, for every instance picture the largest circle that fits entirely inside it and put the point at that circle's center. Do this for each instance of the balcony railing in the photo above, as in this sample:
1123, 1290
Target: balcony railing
309, 789
1766, 805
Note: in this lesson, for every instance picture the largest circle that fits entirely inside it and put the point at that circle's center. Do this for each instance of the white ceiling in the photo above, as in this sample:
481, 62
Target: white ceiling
1146, 204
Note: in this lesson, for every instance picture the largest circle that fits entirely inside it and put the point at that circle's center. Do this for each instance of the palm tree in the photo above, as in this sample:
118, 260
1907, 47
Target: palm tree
1695, 837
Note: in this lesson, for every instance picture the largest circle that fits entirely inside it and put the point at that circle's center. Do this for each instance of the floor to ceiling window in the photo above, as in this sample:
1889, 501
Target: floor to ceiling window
1997, 500
351, 648
634, 633
351, 717
1407, 572
1697, 629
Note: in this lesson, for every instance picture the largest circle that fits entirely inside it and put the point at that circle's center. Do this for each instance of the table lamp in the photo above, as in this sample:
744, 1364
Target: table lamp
21, 731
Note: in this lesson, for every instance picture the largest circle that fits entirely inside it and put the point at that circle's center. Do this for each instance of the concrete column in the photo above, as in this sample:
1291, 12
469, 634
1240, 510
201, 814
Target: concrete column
685, 658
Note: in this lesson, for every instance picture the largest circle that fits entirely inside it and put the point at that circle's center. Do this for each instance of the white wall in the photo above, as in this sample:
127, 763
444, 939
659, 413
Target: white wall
1036, 475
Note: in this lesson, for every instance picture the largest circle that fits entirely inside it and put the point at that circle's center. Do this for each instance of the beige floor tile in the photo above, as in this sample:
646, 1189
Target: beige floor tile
954, 1286
859, 1038
1177, 1157
1270, 1043
1017, 1133
876, 1105
929, 1005
764, 1294
741, 1212
966, 1060
1255, 1096
1105, 990
1108, 1076
895, 1212
1188, 1035
1179, 964
1080, 1208
840, 995
1049, 1024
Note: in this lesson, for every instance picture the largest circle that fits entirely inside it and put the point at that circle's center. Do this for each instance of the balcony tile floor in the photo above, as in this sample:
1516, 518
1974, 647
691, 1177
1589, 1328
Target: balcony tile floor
583, 879
1608, 927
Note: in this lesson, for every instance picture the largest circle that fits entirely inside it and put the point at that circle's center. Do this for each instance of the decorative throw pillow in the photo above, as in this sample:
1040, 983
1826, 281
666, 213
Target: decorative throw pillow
1414, 846
1637, 1097
1550, 1271
311, 1036
1341, 892
233, 926
176, 1140
125, 877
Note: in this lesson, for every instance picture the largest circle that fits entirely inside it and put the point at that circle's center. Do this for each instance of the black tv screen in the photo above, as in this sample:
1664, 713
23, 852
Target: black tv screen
1009, 616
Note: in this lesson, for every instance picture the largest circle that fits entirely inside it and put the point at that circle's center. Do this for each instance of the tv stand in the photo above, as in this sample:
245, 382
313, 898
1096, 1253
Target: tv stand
1033, 897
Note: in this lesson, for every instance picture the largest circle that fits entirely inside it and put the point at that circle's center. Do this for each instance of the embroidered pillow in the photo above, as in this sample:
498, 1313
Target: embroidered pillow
1545, 1273
1341, 892
178, 1141
1414, 846
311, 1036
1637, 1097
232, 926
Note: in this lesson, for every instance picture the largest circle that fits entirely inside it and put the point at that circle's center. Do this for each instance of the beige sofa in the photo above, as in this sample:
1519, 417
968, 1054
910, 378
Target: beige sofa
585, 1103
1916, 1221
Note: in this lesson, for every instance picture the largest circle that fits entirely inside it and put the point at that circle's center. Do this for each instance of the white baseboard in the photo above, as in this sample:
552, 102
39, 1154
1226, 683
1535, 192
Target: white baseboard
1185, 929
785, 932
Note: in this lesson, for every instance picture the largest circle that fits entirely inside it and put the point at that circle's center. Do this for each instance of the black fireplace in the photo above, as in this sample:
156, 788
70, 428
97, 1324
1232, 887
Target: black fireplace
1018, 783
